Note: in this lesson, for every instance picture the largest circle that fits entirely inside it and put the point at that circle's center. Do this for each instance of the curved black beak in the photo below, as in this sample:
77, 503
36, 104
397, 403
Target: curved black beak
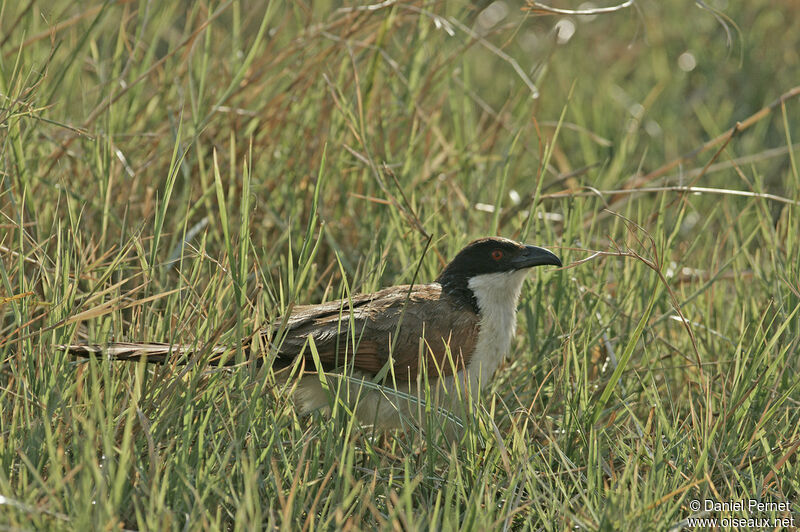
534, 256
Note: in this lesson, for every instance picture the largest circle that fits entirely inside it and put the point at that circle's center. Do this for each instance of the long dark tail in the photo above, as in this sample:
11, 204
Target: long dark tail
152, 352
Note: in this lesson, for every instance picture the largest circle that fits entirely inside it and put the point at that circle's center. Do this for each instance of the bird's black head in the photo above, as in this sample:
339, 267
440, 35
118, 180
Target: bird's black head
490, 255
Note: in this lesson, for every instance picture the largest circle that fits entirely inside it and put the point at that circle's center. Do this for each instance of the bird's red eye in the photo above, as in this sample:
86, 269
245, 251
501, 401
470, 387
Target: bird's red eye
497, 254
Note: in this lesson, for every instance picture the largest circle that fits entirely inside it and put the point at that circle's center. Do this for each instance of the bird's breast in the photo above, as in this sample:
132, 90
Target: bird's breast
497, 296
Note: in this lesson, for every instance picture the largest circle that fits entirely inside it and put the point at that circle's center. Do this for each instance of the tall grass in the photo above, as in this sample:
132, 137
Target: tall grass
187, 172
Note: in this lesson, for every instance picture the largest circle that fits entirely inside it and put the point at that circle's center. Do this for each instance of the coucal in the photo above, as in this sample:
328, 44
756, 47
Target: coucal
455, 332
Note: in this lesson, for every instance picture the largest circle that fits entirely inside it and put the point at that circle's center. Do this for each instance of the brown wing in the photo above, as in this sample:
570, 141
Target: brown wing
361, 334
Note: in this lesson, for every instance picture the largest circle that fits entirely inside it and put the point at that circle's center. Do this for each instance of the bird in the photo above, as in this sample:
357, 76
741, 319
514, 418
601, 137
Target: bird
443, 340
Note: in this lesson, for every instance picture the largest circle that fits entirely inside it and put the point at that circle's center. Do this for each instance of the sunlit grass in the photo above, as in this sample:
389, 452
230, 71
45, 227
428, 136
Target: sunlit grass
189, 172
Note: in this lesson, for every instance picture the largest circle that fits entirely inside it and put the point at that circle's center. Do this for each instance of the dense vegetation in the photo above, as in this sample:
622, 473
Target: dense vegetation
185, 171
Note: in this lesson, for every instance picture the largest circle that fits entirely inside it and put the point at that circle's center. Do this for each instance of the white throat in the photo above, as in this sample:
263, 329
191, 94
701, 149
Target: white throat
497, 295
